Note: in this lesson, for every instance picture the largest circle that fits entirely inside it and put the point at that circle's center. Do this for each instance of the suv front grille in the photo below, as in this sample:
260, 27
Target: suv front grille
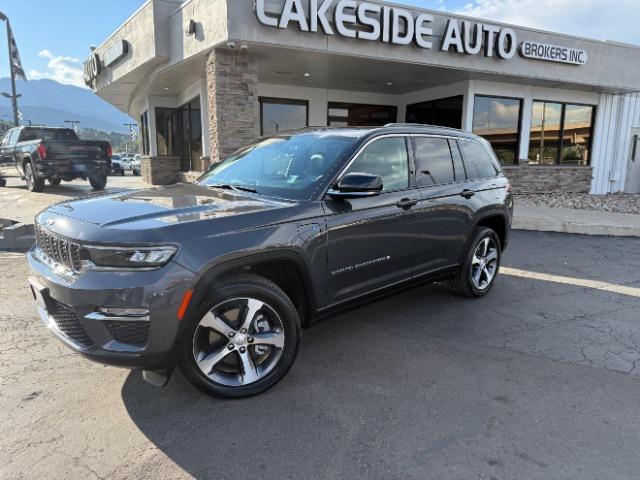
59, 250
68, 324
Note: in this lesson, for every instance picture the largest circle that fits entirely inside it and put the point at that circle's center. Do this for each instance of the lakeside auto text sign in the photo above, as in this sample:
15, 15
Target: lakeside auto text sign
398, 26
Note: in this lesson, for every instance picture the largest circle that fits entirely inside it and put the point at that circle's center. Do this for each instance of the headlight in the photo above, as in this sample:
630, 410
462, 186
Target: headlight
127, 257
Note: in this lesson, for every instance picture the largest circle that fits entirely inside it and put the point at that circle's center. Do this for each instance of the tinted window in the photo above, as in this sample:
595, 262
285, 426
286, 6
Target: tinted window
388, 158
280, 115
350, 114
446, 112
433, 161
458, 165
477, 160
52, 134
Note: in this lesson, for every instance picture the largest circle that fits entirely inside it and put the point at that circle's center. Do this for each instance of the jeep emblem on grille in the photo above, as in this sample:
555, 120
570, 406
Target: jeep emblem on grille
51, 221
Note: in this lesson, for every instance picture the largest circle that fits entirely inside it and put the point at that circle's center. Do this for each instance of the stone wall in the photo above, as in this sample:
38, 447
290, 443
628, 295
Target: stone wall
160, 170
234, 109
551, 179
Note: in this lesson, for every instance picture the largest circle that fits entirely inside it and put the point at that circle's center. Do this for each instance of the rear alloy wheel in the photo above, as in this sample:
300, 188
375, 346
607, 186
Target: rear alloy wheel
479, 268
34, 184
245, 339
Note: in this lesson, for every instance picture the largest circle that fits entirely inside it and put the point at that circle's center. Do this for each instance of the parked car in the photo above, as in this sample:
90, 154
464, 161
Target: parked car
136, 167
127, 160
54, 154
220, 276
116, 165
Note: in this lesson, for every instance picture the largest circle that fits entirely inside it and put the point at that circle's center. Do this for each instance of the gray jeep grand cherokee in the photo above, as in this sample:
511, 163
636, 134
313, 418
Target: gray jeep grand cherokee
220, 276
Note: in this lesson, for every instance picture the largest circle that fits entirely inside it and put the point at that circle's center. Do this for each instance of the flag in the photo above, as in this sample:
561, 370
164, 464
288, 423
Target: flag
16, 64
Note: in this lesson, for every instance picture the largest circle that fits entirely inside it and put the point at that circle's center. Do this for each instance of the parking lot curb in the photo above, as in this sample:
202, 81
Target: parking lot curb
577, 222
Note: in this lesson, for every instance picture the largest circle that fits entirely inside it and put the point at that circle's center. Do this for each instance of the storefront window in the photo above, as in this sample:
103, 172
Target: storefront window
546, 124
168, 130
358, 115
281, 115
144, 133
179, 133
560, 134
498, 120
444, 112
577, 133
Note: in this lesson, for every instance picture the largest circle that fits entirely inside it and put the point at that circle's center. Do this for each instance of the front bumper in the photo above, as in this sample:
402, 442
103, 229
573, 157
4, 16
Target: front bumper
70, 308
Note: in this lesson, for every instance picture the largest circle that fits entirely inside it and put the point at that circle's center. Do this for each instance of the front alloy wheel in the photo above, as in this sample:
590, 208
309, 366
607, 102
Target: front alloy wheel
238, 342
243, 340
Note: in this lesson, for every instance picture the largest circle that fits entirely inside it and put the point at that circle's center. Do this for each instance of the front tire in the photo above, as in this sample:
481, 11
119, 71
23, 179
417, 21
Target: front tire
98, 182
480, 265
34, 183
243, 340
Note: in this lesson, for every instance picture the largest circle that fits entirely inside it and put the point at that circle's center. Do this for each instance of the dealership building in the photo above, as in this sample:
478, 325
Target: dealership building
205, 77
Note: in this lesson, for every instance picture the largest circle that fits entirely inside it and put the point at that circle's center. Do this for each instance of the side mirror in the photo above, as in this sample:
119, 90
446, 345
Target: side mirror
357, 185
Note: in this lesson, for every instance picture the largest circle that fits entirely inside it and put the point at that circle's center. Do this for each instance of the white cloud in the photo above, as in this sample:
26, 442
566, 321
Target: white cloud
612, 20
62, 69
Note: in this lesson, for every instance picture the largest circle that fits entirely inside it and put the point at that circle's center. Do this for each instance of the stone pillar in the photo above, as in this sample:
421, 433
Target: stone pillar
234, 110
160, 170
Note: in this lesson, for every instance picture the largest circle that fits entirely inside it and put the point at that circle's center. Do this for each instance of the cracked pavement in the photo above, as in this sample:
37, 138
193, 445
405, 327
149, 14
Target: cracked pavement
539, 380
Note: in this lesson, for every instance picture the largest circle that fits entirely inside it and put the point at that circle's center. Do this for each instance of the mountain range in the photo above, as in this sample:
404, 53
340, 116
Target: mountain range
47, 102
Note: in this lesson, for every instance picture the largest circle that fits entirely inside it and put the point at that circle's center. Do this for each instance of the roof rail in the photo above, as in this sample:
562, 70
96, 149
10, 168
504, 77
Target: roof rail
420, 125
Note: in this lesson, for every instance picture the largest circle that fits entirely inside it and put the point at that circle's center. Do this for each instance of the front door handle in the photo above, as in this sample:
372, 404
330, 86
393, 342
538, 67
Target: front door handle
407, 203
467, 193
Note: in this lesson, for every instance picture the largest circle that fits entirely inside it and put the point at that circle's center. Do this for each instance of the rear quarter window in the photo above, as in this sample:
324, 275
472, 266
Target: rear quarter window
478, 160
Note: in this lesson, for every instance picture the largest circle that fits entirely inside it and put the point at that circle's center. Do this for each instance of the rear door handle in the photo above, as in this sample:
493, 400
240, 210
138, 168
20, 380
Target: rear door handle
467, 193
407, 203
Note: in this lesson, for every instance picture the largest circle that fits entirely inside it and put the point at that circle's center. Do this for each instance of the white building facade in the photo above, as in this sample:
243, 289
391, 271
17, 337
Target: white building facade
205, 77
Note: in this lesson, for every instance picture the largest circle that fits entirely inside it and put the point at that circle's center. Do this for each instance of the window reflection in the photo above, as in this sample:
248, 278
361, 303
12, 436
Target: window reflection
498, 120
444, 112
281, 115
357, 115
576, 137
560, 134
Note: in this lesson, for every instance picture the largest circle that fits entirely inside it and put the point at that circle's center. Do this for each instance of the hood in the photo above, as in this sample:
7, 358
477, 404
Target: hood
161, 206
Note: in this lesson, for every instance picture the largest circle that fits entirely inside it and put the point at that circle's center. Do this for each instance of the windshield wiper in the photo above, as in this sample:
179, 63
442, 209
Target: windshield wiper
236, 188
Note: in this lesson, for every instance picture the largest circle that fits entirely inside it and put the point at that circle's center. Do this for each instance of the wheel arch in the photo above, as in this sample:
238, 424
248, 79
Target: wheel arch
286, 268
497, 221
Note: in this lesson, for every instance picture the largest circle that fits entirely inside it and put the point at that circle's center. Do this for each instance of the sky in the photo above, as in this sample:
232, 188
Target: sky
54, 36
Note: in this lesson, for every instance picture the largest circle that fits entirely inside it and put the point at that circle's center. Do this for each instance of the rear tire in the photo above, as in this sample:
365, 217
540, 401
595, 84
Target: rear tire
3, 182
243, 340
55, 181
98, 182
34, 183
479, 266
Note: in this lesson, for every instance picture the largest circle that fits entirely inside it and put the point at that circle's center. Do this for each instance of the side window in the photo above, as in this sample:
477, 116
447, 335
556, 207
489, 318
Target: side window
14, 136
388, 158
433, 161
5, 139
458, 165
477, 160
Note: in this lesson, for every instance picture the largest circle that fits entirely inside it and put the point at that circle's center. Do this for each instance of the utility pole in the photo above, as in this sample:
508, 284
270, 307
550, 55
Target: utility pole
130, 125
73, 123
13, 96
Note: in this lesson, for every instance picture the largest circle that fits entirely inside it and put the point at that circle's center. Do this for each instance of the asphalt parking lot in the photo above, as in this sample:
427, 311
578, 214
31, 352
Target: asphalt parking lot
19, 204
540, 380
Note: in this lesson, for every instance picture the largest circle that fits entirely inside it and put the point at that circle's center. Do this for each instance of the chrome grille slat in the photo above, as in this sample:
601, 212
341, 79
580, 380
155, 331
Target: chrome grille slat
61, 251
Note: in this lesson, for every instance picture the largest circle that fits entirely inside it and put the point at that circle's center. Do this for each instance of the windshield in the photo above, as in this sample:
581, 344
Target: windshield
284, 166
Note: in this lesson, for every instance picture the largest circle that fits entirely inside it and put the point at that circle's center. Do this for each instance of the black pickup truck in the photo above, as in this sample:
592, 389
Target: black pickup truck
53, 154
